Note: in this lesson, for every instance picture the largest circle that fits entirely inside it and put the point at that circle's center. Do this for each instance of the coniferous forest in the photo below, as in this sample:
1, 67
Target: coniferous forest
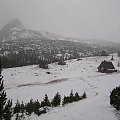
28, 52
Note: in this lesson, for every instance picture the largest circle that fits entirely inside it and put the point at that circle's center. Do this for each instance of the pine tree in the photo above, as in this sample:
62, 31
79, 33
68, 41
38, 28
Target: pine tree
30, 107
115, 98
37, 106
22, 110
3, 96
8, 110
71, 96
66, 100
77, 97
46, 102
63, 101
22, 107
84, 95
56, 100
17, 107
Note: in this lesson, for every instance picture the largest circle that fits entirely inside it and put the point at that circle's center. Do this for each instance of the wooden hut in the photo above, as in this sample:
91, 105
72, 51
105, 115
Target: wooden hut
106, 67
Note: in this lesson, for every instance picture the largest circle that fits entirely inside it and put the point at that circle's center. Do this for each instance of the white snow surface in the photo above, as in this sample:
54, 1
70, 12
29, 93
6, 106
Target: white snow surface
24, 83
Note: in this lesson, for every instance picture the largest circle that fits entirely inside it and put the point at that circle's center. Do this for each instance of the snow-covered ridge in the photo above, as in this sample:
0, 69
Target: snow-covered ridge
15, 30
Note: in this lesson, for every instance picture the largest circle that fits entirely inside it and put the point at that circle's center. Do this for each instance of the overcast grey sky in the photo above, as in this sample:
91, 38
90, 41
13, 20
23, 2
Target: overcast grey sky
84, 19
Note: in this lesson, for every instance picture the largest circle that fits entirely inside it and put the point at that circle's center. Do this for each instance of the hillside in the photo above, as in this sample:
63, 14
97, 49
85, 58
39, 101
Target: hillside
27, 47
28, 82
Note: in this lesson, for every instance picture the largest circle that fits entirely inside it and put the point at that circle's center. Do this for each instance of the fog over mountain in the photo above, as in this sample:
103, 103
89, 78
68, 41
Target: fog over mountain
83, 19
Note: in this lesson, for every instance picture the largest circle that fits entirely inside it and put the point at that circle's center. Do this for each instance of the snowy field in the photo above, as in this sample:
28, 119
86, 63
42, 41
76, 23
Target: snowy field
24, 83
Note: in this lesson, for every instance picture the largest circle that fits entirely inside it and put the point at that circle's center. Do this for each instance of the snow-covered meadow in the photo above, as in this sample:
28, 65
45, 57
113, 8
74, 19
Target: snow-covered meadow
24, 83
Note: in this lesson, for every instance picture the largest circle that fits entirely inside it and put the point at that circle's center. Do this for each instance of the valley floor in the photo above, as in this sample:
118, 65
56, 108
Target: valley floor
24, 83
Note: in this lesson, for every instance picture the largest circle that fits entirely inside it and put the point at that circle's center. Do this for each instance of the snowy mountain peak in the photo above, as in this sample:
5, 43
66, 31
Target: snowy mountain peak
14, 23
14, 30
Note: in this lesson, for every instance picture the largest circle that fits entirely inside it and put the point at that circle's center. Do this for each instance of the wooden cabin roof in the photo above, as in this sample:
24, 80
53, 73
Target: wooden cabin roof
106, 65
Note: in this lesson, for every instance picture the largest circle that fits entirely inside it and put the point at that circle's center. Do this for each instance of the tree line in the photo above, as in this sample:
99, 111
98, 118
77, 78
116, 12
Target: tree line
24, 52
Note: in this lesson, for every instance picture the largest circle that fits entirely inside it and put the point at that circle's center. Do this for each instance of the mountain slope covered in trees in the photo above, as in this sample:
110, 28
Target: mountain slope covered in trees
20, 46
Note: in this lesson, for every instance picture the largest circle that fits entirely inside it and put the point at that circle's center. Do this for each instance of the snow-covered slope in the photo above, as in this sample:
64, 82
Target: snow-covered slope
15, 30
28, 82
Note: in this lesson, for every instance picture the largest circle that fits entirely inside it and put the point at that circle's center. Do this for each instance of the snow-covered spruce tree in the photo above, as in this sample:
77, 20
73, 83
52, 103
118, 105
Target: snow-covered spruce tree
115, 98
66, 100
3, 96
37, 107
56, 100
71, 97
17, 107
84, 95
77, 97
19, 111
22, 108
46, 102
8, 110
29, 107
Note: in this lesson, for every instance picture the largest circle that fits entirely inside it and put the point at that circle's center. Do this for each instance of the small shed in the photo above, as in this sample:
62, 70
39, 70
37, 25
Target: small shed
106, 67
